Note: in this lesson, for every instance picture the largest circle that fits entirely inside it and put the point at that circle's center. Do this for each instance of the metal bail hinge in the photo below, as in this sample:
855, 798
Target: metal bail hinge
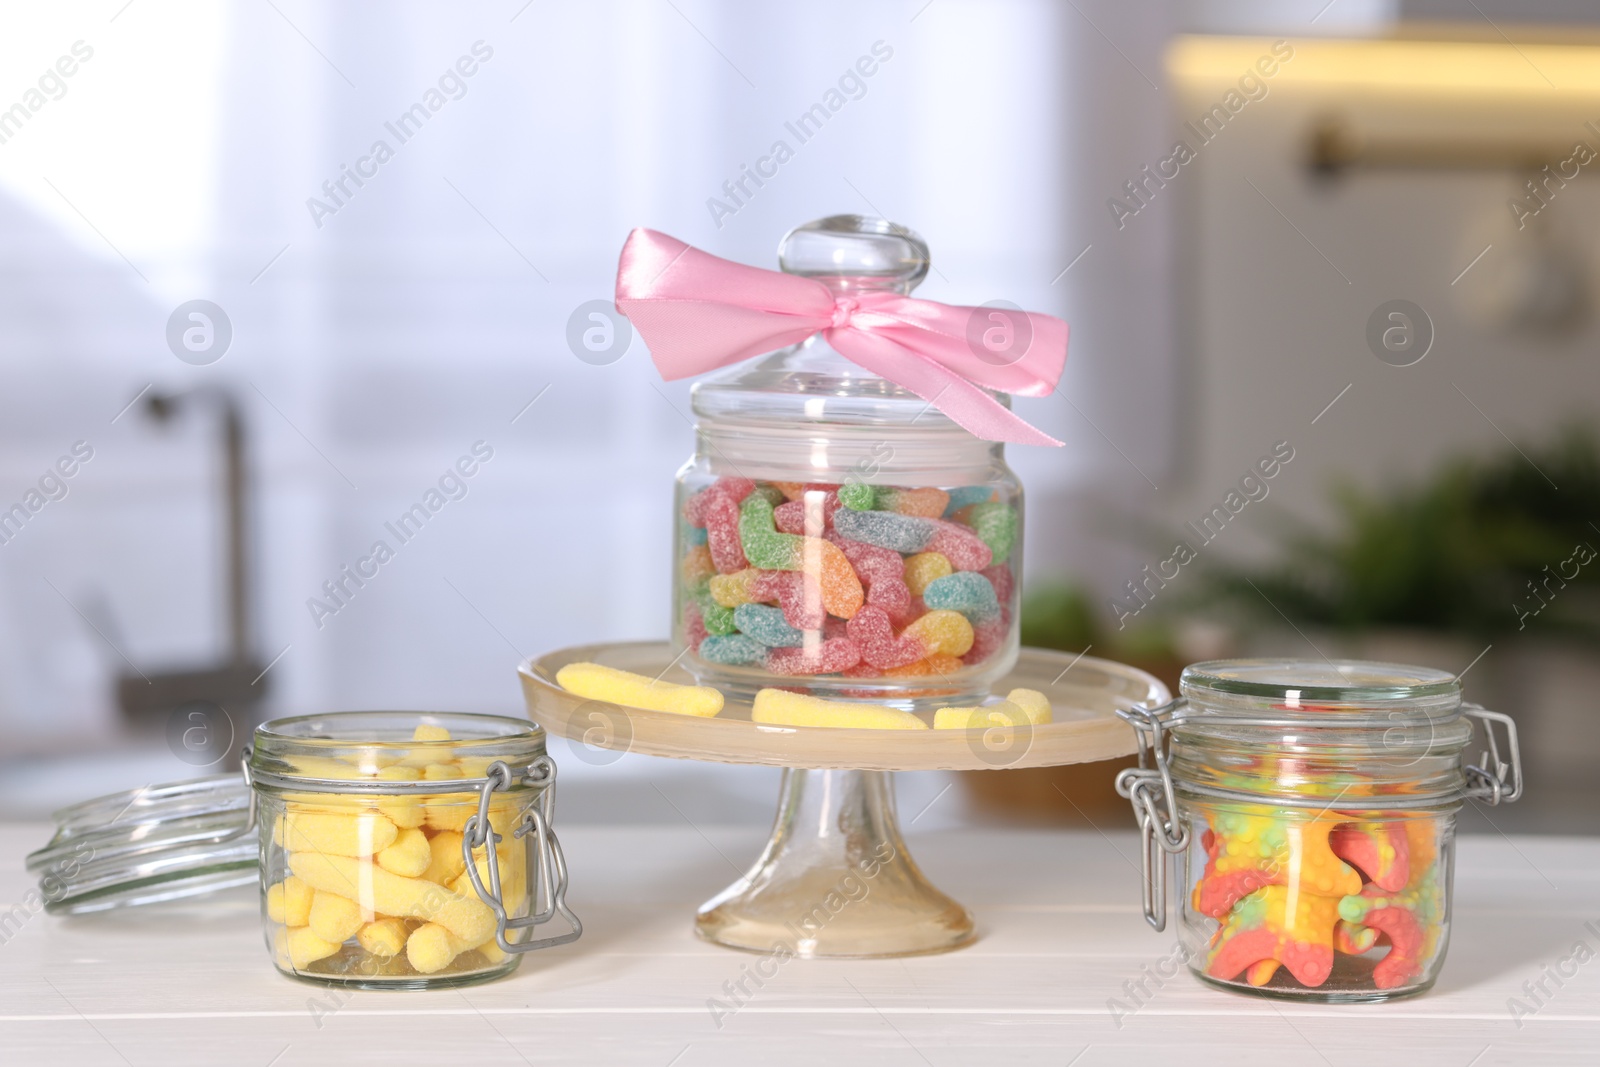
1155, 804
1497, 782
550, 871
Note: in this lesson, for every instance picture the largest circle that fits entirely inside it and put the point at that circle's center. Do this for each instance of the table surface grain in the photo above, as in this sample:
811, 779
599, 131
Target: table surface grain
1060, 935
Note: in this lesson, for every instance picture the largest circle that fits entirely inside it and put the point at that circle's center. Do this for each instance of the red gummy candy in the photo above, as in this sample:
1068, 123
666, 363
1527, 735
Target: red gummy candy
830, 657
964, 549
1402, 964
736, 489
874, 636
721, 515
1378, 850
694, 625
790, 517
800, 598
1004, 582
987, 637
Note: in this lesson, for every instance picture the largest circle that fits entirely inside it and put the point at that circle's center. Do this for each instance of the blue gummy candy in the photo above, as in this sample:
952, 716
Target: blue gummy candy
886, 529
966, 496
968, 592
693, 536
766, 624
734, 650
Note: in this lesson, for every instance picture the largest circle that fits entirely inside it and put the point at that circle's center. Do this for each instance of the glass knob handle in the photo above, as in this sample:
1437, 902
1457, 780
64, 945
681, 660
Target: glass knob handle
855, 252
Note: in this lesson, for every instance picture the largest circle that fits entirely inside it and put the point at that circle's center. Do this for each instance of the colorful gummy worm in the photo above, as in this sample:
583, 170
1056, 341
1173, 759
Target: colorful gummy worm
859, 581
1291, 891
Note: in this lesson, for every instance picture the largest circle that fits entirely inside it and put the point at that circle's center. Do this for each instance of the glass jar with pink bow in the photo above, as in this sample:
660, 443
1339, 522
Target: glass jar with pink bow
847, 526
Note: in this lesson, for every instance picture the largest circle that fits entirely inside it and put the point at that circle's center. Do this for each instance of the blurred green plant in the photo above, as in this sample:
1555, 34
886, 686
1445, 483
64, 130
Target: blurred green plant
1484, 546
1061, 615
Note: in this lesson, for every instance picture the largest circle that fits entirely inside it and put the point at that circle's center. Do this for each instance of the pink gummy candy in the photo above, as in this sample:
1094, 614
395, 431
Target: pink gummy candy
722, 533
987, 637
1003, 581
798, 594
694, 625
830, 657
874, 636
716, 510
790, 517
964, 549
735, 489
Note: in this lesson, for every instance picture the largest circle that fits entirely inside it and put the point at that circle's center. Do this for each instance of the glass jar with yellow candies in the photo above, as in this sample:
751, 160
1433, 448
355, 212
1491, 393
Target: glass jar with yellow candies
1310, 806
406, 850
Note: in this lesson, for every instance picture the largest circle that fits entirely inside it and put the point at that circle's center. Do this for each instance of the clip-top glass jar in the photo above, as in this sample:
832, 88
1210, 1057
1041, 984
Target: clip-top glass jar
837, 532
393, 850
406, 851
1312, 809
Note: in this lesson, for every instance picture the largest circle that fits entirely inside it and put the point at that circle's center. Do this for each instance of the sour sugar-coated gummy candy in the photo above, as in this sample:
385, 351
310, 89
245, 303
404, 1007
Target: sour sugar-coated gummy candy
782, 708
811, 556
858, 496
966, 592
768, 549
928, 503
966, 496
997, 525
923, 568
733, 650
946, 632
886, 529
593, 681
767, 626
797, 593
830, 657
880, 647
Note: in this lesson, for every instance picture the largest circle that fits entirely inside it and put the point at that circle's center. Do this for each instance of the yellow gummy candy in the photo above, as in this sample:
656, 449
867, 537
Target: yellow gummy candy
594, 682
731, 590
335, 918
389, 894
431, 948
409, 855
445, 863
513, 865
782, 708
946, 632
985, 717
383, 937
925, 567
301, 947
423, 755
1033, 703
356, 834
289, 902
405, 812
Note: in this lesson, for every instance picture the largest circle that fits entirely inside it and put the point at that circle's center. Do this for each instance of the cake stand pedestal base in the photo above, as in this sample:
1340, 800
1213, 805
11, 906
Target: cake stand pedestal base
835, 879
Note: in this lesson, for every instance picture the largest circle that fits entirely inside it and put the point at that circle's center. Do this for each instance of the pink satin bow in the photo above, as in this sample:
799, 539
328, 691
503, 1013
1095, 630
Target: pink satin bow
697, 312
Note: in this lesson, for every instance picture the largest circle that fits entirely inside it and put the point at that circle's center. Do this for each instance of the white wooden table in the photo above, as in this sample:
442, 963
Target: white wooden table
1060, 935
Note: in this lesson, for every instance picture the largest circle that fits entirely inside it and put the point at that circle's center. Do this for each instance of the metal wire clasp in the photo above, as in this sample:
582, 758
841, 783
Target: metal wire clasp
550, 875
1498, 782
1155, 804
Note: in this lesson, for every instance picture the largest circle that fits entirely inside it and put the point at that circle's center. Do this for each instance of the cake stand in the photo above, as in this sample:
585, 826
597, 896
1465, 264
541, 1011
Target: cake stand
835, 878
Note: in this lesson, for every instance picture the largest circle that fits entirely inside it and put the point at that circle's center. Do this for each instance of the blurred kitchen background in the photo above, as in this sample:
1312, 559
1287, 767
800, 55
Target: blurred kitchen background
1375, 254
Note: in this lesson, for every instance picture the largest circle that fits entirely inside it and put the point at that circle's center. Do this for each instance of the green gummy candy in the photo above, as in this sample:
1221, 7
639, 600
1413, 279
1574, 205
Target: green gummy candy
858, 496
718, 619
763, 545
996, 524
